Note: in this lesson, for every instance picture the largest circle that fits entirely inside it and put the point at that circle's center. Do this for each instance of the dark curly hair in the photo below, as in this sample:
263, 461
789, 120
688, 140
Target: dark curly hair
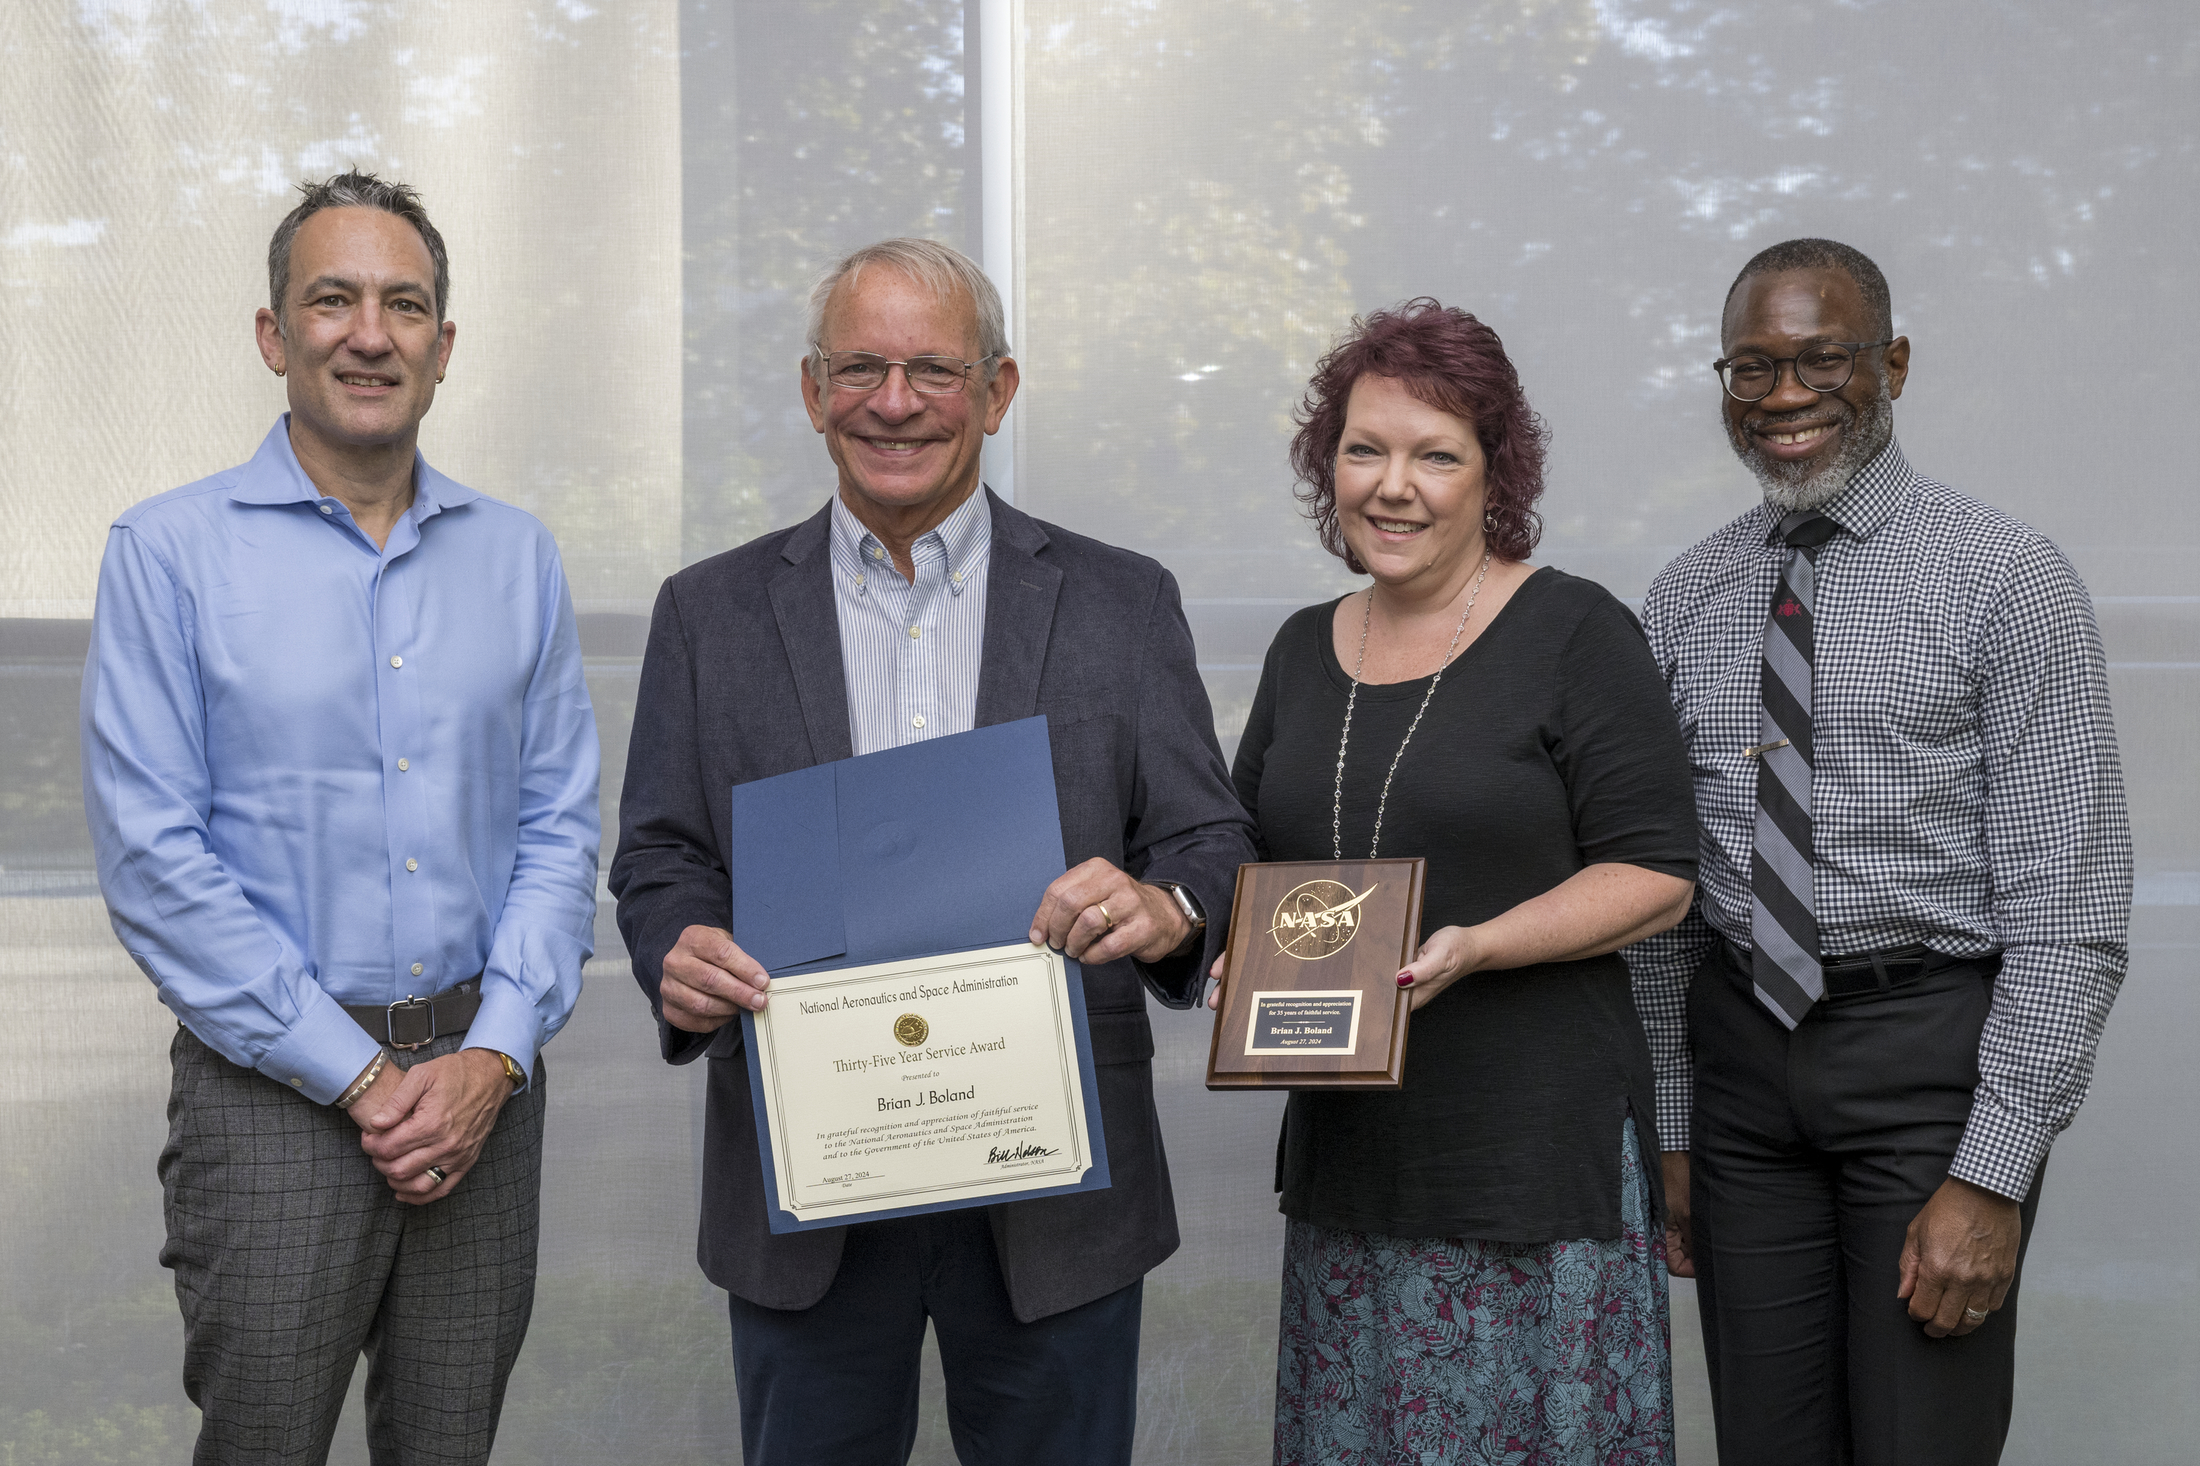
1824, 254
1455, 364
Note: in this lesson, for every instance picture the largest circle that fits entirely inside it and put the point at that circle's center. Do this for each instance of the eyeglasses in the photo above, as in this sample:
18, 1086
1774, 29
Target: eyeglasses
1825, 367
862, 371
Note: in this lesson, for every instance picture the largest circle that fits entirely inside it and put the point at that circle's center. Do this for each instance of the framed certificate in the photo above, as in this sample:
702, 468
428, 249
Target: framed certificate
924, 1084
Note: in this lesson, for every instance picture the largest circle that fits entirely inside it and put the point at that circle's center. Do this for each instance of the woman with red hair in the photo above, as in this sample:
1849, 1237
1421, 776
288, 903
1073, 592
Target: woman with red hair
1474, 1264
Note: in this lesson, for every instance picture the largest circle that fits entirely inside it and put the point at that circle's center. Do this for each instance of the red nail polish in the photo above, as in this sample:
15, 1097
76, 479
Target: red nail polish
1405, 979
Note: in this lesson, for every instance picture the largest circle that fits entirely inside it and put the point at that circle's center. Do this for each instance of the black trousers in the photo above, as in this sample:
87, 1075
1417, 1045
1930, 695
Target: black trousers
837, 1382
1812, 1152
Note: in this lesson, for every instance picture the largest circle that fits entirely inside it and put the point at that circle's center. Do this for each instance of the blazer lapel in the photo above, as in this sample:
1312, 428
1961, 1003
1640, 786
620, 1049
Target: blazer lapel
1020, 591
809, 628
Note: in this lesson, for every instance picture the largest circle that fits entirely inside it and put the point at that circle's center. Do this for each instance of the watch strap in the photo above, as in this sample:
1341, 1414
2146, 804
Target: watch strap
1187, 903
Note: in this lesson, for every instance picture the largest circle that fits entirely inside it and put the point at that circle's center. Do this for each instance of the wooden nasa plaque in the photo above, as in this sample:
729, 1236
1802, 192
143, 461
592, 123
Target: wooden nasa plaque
1310, 995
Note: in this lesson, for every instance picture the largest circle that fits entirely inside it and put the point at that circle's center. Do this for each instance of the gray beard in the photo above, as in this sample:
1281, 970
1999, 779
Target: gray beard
1806, 485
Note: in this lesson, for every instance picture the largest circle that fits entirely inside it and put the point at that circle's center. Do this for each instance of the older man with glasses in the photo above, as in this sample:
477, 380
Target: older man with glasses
913, 605
1913, 912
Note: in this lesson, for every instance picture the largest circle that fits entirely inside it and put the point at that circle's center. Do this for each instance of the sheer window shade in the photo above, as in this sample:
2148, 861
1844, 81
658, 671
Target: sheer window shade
635, 196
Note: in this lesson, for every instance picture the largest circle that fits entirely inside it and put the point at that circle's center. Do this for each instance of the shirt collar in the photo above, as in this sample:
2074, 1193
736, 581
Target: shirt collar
963, 536
274, 476
1869, 501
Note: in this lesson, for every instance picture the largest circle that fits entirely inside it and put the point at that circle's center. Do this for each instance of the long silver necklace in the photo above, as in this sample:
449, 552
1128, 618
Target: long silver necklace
1336, 800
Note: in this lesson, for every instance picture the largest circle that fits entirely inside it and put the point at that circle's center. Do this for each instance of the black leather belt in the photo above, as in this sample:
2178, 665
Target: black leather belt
1876, 972
1884, 970
416, 1022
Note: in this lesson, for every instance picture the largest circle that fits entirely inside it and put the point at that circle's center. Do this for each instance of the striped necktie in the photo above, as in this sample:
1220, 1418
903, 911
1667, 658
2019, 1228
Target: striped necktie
1784, 919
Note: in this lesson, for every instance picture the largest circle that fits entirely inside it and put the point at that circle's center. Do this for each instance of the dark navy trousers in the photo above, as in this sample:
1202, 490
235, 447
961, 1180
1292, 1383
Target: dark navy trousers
837, 1382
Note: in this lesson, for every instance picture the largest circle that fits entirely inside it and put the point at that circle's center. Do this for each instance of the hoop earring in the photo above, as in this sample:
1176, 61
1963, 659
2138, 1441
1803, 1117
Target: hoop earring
1489, 521
439, 379
277, 370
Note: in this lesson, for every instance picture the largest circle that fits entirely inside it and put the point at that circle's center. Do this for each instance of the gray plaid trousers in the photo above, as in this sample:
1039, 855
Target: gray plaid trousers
292, 1257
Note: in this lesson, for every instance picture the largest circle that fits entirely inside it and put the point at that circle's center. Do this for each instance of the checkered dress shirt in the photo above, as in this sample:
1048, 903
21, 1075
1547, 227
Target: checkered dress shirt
1966, 794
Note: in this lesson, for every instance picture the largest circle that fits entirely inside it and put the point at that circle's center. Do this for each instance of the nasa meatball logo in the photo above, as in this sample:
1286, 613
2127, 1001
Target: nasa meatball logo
1317, 920
910, 1030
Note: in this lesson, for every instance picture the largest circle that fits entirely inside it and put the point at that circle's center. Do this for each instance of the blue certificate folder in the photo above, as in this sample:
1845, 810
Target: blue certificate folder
936, 847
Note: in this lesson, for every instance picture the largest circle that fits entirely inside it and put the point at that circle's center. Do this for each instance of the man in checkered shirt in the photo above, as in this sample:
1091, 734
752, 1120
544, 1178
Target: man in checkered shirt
1858, 1131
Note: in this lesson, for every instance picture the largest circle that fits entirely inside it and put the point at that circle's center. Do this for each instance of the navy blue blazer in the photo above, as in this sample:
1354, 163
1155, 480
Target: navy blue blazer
742, 680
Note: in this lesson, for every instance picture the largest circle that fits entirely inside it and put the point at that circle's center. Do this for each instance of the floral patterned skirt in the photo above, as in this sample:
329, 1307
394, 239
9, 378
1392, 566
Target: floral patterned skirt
1448, 1351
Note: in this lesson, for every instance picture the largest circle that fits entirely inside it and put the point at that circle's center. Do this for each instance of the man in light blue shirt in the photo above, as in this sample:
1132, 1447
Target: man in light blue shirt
340, 767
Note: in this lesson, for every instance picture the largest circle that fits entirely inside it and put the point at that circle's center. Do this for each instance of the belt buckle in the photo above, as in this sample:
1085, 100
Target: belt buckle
409, 1006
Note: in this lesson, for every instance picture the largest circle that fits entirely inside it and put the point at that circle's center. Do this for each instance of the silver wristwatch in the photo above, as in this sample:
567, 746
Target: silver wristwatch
1187, 903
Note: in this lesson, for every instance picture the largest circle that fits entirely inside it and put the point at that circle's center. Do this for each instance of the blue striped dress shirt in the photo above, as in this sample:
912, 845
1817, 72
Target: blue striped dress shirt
910, 650
320, 773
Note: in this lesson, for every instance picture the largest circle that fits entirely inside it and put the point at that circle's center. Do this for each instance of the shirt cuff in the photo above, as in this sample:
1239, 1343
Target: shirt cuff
507, 1023
1675, 1099
2001, 1152
323, 1052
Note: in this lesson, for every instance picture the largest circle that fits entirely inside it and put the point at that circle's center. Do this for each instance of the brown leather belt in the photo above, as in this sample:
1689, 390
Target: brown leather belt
417, 1022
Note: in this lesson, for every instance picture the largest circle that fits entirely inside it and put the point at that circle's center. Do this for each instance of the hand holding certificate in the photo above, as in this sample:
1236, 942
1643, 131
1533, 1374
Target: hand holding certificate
917, 1053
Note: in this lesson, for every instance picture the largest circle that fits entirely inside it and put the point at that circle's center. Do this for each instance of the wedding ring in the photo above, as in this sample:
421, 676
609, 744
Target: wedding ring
442, 1176
1975, 1315
1102, 907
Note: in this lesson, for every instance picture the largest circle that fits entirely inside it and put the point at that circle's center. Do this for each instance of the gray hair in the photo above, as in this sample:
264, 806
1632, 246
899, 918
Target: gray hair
946, 272
355, 190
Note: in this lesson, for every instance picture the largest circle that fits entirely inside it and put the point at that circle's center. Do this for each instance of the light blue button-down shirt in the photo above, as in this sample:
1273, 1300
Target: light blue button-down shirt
319, 773
911, 650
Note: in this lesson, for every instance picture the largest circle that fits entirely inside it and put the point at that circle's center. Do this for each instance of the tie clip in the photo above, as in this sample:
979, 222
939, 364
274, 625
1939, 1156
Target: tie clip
1759, 750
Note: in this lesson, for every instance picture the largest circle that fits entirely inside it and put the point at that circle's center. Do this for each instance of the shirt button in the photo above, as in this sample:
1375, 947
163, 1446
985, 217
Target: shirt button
397, 661
859, 582
877, 553
412, 865
914, 633
957, 577
417, 969
295, 1081
917, 721
325, 509
403, 764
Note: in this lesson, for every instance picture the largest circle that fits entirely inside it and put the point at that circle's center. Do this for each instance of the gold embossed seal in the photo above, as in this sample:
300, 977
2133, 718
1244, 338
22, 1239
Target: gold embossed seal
1317, 920
910, 1029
